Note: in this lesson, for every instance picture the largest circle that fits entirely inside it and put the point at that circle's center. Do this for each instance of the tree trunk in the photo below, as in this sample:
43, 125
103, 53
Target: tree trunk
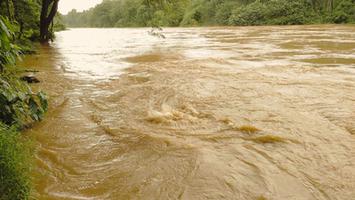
331, 5
9, 7
21, 30
47, 18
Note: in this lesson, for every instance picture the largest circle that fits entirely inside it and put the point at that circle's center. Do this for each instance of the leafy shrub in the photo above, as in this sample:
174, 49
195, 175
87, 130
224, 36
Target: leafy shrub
251, 14
191, 18
224, 12
286, 12
159, 19
14, 165
344, 12
207, 12
273, 12
8, 51
340, 17
18, 104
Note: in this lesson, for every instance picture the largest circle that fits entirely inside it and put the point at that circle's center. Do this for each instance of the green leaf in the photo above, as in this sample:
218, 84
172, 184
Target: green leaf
4, 27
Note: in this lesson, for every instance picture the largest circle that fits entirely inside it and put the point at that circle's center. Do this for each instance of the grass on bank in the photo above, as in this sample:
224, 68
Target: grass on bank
15, 158
19, 107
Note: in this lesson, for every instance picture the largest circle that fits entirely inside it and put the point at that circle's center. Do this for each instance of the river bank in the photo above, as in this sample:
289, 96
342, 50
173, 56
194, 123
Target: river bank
20, 108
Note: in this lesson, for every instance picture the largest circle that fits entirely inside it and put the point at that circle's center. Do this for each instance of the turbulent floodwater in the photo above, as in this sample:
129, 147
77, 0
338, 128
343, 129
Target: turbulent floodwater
207, 113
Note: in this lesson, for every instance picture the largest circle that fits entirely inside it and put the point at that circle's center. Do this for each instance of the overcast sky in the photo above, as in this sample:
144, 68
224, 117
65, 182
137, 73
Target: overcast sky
67, 5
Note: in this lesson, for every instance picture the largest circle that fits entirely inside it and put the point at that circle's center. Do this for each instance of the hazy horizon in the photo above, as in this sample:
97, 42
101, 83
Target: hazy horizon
67, 5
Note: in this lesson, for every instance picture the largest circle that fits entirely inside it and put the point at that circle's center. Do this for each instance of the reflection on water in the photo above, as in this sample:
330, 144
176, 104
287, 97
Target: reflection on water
208, 113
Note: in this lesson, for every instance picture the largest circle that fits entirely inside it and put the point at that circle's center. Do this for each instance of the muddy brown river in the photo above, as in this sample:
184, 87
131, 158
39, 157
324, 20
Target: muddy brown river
249, 113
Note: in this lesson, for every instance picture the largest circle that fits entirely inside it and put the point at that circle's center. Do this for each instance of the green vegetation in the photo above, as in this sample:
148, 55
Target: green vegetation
142, 13
279, 12
18, 104
22, 22
23, 16
19, 107
33, 20
8, 51
14, 165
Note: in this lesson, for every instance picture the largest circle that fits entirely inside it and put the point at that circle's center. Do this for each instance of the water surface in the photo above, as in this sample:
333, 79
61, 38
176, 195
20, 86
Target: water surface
207, 113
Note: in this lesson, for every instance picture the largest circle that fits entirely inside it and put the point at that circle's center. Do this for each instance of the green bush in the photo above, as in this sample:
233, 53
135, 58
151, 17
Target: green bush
286, 12
18, 104
344, 12
8, 51
192, 18
340, 17
273, 12
251, 14
15, 157
224, 12
159, 19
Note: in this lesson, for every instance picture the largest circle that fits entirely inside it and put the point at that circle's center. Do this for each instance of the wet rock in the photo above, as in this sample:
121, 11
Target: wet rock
30, 78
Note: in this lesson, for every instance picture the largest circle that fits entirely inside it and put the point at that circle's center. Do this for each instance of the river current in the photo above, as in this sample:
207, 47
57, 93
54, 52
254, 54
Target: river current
206, 113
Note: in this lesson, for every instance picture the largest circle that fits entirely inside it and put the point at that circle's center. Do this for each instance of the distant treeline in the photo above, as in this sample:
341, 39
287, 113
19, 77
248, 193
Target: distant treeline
141, 13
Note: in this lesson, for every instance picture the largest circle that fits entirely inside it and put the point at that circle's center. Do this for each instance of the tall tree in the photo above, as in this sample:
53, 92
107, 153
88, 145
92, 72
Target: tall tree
26, 13
48, 12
